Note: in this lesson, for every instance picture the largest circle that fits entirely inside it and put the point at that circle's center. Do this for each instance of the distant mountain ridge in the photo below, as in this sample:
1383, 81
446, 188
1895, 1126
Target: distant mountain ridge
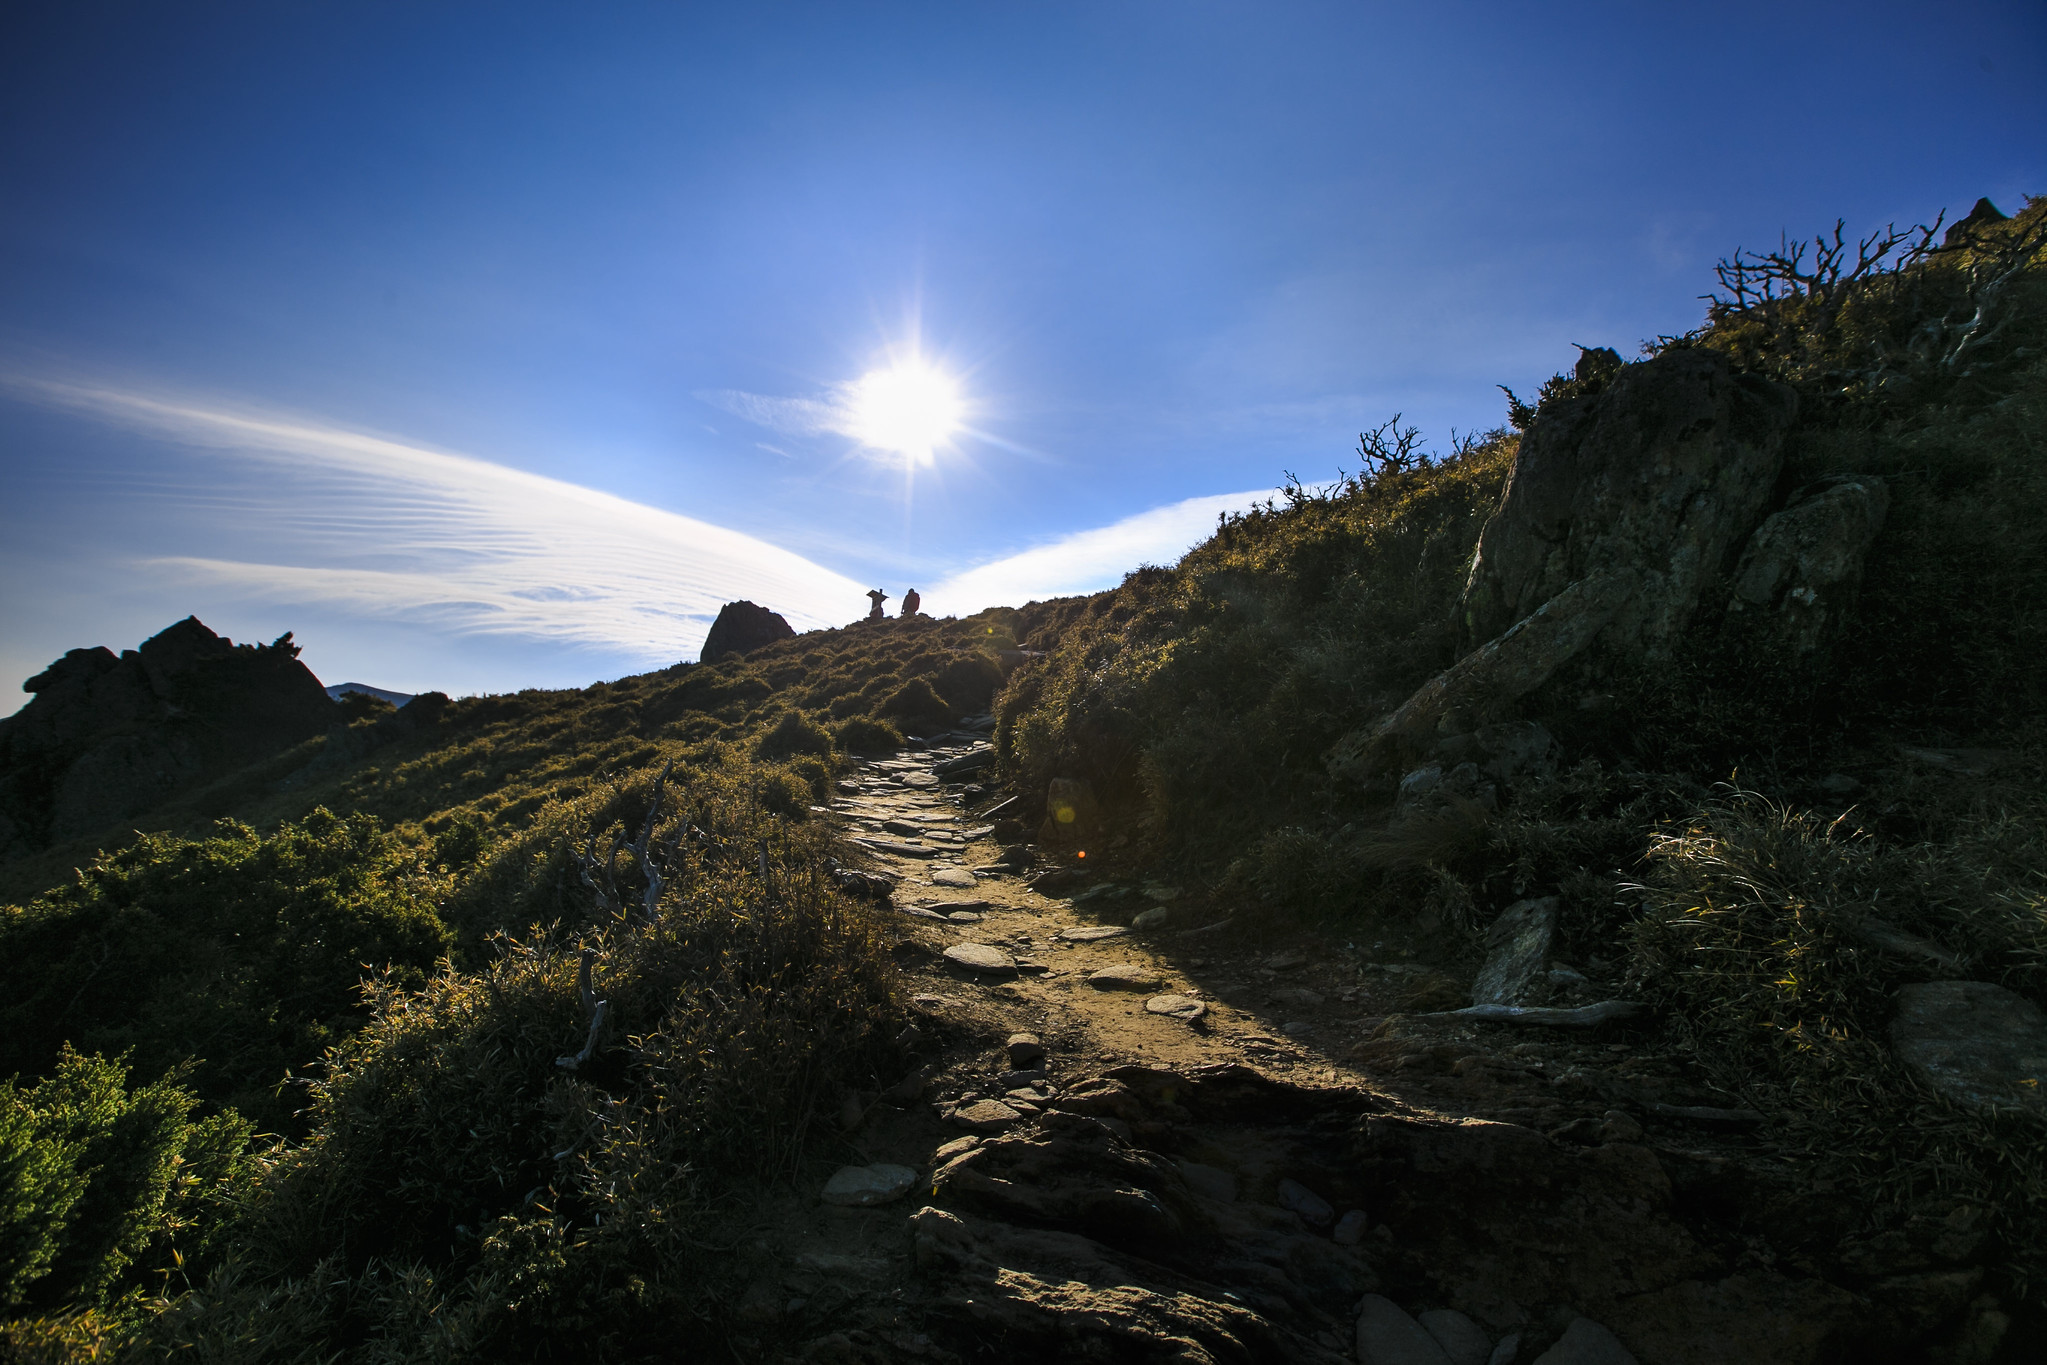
340, 690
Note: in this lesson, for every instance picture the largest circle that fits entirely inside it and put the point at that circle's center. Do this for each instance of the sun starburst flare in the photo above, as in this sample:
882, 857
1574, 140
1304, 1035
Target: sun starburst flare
910, 409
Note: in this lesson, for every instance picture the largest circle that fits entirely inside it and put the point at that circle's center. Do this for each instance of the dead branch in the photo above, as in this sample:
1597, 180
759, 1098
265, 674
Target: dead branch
1390, 448
592, 1007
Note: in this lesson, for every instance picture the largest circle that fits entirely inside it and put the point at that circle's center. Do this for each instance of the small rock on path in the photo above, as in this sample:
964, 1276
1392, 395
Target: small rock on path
866, 1186
1126, 976
980, 957
1092, 933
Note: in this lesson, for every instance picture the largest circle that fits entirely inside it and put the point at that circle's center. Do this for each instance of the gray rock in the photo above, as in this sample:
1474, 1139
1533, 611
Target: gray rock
1463, 1340
743, 626
985, 1116
953, 876
866, 1186
1350, 1229
1659, 477
1620, 511
1126, 976
1519, 941
1388, 1336
980, 957
1154, 918
1312, 1207
1802, 569
1092, 933
1585, 1342
1975, 1043
1209, 1181
1182, 1007
1519, 660
1025, 1050
1504, 1353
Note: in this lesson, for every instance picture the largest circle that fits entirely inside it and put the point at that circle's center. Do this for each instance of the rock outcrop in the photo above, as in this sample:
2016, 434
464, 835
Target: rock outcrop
107, 737
1630, 514
1802, 569
742, 626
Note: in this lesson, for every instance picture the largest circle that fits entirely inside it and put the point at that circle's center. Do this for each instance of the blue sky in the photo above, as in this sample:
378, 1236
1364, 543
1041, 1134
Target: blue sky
489, 346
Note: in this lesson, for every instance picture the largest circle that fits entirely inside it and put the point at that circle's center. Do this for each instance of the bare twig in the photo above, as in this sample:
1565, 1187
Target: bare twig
593, 1007
1390, 448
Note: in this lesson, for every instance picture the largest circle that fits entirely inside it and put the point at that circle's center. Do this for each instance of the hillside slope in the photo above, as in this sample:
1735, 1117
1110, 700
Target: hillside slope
1707, 700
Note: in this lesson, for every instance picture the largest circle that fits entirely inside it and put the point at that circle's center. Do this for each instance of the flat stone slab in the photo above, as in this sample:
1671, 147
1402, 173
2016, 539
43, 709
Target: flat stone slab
920, 780
900, 850
985, 1116
953, 876
980, 957
1093, 933
865, 1186
1975, 1043
1126, 976
1182, 1007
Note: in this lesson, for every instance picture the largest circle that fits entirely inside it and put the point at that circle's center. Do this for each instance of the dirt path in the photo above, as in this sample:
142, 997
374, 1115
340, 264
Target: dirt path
1271, 1163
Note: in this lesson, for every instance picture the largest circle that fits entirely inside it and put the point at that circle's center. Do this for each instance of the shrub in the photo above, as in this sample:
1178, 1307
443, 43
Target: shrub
1752, 940
461, 1185
100, 1184
968, 682
865, 735
915, 703
795, 733
240, 951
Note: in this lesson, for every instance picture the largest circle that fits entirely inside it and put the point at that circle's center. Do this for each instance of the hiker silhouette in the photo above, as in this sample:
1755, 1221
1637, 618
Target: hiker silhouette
911, 602
877, 597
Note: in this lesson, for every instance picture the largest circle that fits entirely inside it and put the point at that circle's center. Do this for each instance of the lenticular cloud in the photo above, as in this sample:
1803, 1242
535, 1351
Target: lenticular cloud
378, 527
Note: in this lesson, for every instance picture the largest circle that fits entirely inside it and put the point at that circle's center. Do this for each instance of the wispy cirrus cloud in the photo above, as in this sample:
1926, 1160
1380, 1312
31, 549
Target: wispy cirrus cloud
380, 527
789, 416
1088, 561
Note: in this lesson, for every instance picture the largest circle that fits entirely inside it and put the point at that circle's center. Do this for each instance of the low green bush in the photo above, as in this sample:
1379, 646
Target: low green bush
239, 952
795, 733
101, 1185
865, 735
464, 1190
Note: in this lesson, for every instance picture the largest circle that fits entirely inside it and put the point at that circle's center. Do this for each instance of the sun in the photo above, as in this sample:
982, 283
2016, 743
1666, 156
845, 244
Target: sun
909, 409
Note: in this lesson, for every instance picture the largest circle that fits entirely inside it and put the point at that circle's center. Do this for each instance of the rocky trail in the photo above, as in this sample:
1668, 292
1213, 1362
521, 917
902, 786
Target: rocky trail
1141, 1131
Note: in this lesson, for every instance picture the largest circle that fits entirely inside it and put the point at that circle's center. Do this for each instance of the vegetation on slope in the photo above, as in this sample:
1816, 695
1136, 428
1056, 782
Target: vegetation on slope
463, 1172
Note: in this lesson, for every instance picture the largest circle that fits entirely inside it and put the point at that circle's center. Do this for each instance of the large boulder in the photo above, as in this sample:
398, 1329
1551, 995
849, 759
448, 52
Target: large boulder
1623, 509
740, 627
1975, 1043
106, 738
1658, 478
1802, 569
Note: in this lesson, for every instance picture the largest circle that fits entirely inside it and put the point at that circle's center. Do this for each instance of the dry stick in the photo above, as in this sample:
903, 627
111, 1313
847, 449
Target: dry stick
1585, 1016
593, 1007
642, 848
